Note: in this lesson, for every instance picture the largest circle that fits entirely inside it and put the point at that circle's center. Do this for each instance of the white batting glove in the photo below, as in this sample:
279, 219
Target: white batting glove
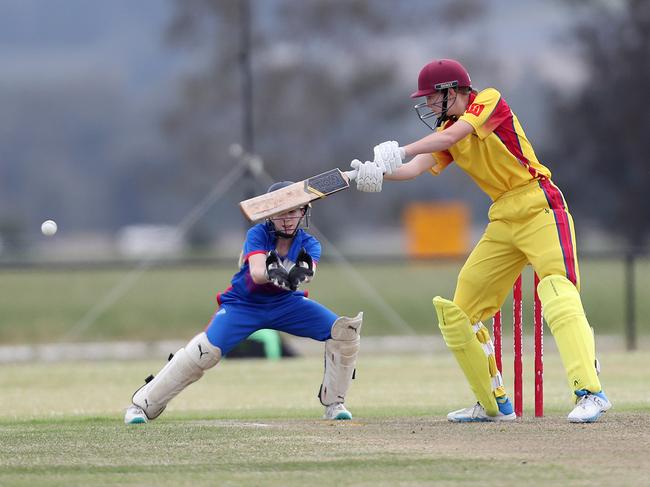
389, 156
369, 176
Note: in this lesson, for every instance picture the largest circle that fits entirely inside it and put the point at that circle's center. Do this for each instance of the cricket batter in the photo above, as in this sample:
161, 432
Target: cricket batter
529, 222
277, 257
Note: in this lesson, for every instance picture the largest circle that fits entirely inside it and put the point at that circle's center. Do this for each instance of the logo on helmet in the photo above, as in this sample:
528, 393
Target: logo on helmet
448, 84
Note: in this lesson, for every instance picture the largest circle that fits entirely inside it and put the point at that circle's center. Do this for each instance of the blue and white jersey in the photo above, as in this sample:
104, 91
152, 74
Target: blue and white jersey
260, 239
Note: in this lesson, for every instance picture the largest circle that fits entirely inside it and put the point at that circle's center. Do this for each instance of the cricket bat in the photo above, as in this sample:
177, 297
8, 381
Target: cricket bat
296, 195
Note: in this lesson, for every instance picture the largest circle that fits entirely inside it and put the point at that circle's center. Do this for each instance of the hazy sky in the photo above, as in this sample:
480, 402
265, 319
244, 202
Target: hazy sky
123, 39
119, 46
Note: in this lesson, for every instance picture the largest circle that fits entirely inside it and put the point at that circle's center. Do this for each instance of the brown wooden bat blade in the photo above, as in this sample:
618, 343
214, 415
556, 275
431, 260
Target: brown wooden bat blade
294, 196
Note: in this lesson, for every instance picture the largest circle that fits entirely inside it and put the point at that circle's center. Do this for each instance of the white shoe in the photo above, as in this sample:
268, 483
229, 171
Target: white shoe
477, 413
337, 411
135, 415
589, 407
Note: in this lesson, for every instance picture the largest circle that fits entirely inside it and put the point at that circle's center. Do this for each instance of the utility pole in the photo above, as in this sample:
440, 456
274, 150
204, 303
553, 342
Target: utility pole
248, 134
248, 131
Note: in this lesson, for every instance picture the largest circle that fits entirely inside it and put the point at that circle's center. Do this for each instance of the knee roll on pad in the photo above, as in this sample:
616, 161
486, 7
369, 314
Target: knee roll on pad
347, 329
562, 307
560, 300
184, 368
453, 323
340, 359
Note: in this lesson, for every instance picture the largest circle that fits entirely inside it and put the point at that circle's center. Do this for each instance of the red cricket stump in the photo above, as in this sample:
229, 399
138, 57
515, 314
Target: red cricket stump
496, 331
539, 352
518, 343
517, 328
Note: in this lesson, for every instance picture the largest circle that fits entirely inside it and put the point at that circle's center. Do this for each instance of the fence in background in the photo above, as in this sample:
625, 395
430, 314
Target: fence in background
629, 260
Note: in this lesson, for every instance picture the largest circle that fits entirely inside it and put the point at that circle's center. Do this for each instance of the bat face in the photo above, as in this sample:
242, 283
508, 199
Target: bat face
295, 195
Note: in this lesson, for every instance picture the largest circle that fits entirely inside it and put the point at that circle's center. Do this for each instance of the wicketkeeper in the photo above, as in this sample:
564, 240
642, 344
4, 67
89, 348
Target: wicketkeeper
529, 222
278, 257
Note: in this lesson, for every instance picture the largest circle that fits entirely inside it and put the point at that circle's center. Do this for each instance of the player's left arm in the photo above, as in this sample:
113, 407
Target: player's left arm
389, 157
439, 141
422, 151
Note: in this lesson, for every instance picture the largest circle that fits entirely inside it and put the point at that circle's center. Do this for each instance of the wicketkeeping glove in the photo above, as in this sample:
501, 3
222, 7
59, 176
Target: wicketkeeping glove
303, 271
276, 273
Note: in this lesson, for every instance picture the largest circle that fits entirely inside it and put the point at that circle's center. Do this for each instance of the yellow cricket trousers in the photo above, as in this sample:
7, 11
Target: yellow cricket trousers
529, 224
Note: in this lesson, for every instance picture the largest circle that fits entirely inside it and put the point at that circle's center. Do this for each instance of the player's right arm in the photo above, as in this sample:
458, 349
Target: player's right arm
257, 267
255, 253
412, 169
370, 176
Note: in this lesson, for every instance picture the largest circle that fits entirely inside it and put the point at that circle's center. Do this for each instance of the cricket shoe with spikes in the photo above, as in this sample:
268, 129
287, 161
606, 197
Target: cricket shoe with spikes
135, 415
337, 411
590, 407
477, 413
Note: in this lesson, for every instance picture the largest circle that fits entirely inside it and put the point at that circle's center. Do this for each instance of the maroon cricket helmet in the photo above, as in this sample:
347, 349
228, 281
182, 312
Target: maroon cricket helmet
441, 74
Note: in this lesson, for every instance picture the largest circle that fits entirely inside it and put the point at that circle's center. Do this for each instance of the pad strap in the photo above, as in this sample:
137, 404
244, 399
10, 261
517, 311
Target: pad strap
483, 336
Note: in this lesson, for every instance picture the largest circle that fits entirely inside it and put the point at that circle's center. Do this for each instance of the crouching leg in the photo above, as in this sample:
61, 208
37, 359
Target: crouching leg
184, 367
340, 359
474, 352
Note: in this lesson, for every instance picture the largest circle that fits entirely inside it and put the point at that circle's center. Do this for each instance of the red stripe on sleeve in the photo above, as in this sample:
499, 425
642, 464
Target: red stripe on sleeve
253, 253
500, 114
508, 136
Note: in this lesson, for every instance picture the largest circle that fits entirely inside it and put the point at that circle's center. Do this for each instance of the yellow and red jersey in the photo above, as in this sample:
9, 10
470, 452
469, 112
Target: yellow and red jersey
497, 154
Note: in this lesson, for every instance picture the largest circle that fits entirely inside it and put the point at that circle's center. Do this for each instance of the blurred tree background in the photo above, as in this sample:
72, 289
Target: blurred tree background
124, 113
600, 130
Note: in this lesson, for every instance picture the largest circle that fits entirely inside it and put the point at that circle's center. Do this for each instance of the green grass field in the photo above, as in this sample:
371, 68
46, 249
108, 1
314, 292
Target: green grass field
257, 422
42, 306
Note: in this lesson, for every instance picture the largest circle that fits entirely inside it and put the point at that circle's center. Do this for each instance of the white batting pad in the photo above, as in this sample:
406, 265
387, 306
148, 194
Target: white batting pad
185, 367
340, 359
